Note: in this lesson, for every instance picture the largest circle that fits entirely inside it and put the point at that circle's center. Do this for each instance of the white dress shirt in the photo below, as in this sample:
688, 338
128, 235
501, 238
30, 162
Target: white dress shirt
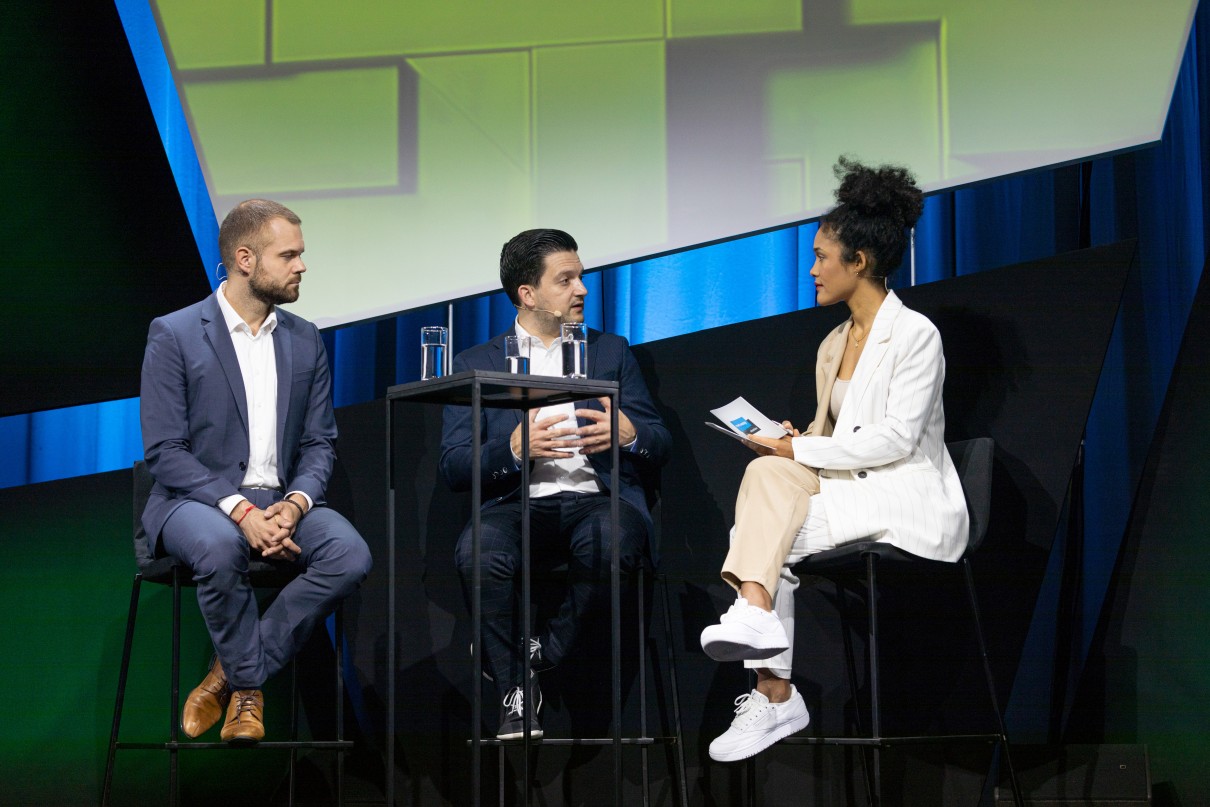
258, 367
573, 473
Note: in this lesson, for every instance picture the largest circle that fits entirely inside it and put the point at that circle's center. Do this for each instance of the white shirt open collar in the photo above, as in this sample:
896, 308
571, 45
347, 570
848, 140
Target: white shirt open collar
235, 322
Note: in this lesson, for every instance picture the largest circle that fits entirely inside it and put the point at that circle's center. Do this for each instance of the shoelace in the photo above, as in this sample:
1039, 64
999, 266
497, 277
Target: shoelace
745, 705
514, 702
246, 703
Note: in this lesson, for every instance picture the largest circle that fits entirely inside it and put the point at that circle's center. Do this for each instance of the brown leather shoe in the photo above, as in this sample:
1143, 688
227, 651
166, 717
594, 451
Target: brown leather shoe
245, 717
206, 702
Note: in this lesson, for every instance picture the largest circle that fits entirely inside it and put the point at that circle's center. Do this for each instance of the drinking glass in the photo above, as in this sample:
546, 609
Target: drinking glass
575, 350
516, 355
433, 341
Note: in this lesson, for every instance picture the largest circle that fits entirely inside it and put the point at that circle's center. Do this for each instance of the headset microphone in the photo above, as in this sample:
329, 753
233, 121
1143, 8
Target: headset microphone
556, 314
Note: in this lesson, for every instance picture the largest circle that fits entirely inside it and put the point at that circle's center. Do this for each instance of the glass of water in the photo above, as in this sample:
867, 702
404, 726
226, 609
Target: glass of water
516, 355
575, 350
433, 341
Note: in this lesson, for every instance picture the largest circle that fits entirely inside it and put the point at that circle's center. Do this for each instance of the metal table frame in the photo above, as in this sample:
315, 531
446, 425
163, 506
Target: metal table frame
477, 389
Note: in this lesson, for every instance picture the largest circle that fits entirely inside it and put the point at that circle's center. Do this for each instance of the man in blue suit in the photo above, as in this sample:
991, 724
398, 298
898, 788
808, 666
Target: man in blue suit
569, 447
239, 436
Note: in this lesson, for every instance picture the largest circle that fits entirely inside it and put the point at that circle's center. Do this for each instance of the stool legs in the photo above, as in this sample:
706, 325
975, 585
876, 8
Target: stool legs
969, 576
119, 699
676, 696
642, 630
843, 603
339, 644
173, 721
174, 744
290, 778
871, 564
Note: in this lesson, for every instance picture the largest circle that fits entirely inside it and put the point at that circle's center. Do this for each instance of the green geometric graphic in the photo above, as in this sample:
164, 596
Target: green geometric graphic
193, 27
687, 18
276, 146
415, 138
315, 30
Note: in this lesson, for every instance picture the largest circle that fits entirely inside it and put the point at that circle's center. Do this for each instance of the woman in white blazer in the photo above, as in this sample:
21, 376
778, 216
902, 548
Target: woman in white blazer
871, 466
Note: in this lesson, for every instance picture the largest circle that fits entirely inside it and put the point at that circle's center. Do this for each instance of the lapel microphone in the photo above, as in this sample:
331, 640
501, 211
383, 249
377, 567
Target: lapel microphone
556, 314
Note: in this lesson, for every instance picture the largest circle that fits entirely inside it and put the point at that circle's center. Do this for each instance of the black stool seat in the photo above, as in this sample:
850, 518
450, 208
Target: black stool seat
262, 573
850, 560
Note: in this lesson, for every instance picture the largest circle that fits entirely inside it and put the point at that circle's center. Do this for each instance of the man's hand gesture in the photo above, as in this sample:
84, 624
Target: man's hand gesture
269, 531
545, 440
594, 438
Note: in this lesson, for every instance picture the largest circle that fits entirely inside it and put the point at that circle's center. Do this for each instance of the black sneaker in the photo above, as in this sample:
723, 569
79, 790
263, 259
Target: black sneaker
537, 663
513, 714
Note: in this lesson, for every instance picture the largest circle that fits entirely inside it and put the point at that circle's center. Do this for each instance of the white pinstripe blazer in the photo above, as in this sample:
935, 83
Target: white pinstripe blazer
885, 473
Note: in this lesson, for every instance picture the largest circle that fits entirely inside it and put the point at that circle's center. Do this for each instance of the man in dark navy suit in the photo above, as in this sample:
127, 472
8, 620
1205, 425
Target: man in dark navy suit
239, 435
569, 446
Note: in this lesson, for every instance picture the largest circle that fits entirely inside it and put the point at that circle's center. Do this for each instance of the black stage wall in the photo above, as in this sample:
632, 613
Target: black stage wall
1148, 671
1016, 371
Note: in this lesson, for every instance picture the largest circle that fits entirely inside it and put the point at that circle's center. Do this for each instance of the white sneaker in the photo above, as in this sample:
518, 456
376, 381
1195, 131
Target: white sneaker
758, 724
745, 632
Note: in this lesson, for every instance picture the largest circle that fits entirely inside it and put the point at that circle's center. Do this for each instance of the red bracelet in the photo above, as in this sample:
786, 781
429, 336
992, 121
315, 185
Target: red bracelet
244, 515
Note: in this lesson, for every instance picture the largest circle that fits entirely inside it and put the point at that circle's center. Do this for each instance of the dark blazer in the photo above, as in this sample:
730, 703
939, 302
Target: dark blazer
194, 410
609, 359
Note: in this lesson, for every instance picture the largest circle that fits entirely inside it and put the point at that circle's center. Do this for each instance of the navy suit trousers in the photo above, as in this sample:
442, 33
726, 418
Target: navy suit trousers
566, 527
253, 647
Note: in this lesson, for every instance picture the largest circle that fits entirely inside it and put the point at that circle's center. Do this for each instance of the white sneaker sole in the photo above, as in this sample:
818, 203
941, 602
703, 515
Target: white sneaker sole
731, 648
536, 734
761, 742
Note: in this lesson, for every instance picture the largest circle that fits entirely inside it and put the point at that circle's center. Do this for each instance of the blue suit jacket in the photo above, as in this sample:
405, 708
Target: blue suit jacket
194, 410
609, 359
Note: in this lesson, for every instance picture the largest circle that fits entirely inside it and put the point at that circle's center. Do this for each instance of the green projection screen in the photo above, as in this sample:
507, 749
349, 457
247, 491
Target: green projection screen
414, 138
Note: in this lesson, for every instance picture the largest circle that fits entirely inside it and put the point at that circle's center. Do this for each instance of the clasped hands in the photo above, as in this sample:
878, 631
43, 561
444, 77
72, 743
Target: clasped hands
780, 447
548, 439
271, 531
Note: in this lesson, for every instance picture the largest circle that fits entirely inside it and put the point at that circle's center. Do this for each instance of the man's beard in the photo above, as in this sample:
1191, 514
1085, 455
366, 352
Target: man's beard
266, 292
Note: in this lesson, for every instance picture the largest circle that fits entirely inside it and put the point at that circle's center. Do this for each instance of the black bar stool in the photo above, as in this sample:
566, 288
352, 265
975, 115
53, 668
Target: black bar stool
844, 564
173, 572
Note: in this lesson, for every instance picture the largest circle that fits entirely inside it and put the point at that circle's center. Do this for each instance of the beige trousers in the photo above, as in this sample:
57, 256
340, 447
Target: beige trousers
776, 525
772, 505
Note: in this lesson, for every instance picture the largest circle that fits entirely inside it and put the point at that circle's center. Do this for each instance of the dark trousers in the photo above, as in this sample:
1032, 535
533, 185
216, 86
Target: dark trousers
566, 527
252, 646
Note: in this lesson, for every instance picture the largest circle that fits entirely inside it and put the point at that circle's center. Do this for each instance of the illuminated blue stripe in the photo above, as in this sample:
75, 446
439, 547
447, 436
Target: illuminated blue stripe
148, 51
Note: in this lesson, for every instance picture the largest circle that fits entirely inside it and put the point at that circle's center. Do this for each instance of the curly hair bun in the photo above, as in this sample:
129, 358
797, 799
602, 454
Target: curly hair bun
886, 191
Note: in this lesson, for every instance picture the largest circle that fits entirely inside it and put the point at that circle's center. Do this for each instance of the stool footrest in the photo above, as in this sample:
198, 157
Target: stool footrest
579, 741
318, 745
929, 739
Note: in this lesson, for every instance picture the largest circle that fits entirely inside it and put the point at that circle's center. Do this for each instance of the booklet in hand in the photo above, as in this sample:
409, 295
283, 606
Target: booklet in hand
743, 420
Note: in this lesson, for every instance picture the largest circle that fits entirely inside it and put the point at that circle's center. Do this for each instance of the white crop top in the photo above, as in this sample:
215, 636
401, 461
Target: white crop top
839, 388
